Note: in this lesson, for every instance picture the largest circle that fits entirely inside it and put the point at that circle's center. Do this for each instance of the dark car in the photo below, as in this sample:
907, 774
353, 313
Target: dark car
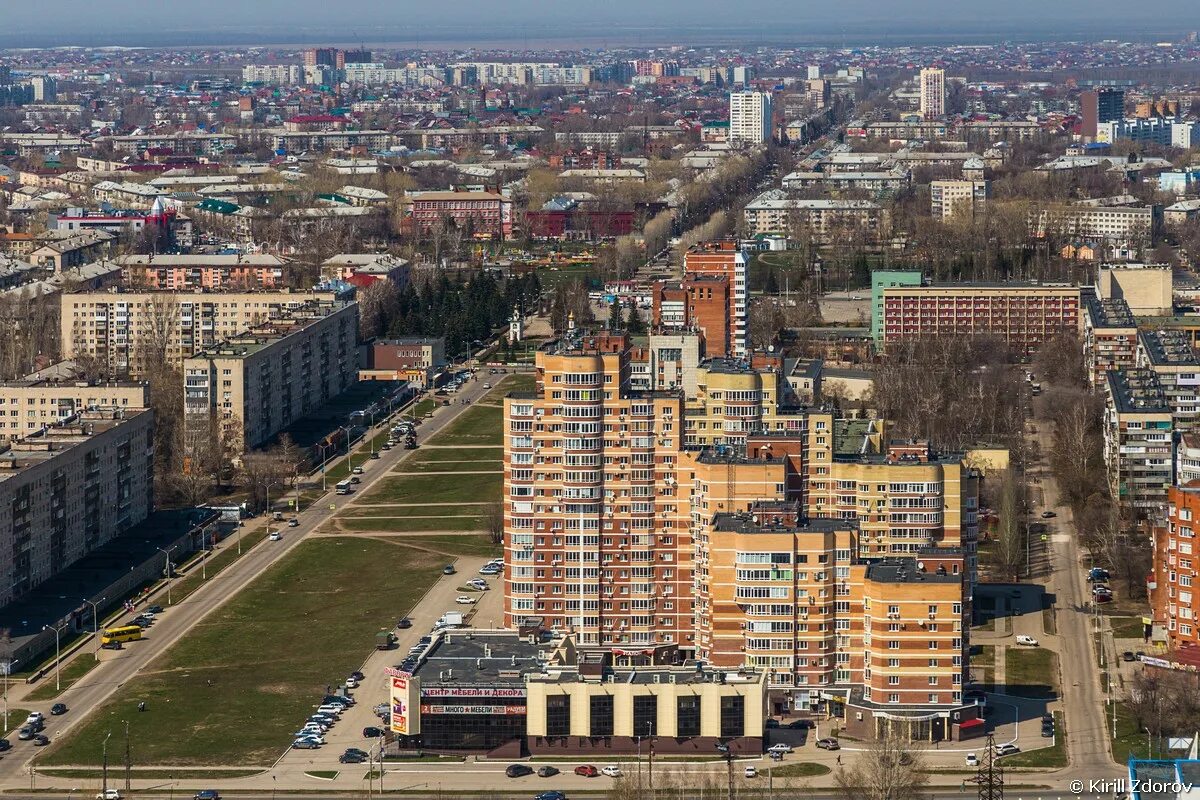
110, 646
155, 609
58, 708
547, 771
1048, 515
5, 744
1047, 719
404, 623
1128, 656
518, 770
800, 724
372, 733
356, 675
1047, 731
41, 740
207, 794
771, 723
448, 569
352, 758
550, 796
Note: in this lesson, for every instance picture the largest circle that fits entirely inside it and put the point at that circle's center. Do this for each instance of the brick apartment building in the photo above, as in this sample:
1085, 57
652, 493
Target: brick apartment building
185, 273
725, 258
486, 213
1110, 337
698, 302
1175, 578
1023, 315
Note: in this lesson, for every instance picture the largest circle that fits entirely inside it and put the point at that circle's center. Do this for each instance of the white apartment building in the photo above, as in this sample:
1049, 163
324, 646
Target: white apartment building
274, 74
948, 198
933, 93
750, 117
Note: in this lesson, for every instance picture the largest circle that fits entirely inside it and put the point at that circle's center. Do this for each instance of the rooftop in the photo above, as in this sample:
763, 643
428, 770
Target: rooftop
1168, 348
272, 331
1109, 313
751, 523
51, 441
472, 657
1137, 391
907, 570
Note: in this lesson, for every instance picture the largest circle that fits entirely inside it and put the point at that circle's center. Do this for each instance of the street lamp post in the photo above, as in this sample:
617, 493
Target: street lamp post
349, 456
96, 620
167, 558
57, 657
727, 752
104, 767
8, 665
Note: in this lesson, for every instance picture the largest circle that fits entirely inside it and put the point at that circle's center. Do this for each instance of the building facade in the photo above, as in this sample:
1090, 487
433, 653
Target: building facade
1138, 431
1174, 581
483, 212
698, 302
949, 198
750, 117
725, 259
1110, 338
254, 384
932, 85
68, 489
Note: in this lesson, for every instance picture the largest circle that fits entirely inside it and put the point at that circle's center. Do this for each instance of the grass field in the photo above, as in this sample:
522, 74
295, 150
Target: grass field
457, 545
1126, 627
1053, 756
983, 664
433, 489
477, 425
1031, 672
802, 769
1131, 740
116, 774
463, 524
435, 455
84, 663
407, 511
453, 466
231, 691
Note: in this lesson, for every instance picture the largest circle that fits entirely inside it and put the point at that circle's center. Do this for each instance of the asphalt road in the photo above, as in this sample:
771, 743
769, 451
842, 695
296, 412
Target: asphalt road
119, 666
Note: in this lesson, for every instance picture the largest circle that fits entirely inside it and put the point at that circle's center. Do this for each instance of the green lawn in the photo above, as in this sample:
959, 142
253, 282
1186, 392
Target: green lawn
1130, 741
457, 545
116, 773
983, 664
409, 525
1049, 757
402, 511
1126, 627
802, 769
71, 673
433, 454
453, 466
233, 690
1031, 672
476, 426
434, 489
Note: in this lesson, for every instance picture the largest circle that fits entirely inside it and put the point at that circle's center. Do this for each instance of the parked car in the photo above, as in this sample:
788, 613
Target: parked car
801, 724
972, 760
41, 740
404, 622
207, 794
448, 569
547, 771
1048, 515
587, 771
1047, 718
611, 771
781, 747
751, 772
352, 758
311, 737
1007, 749
517, 770
109, 794
1103, 598
1128, 656
1028, 641
351, 683
463, 600
1097, 574
371, 732
550, 796
154, 610
828, 744
304, 744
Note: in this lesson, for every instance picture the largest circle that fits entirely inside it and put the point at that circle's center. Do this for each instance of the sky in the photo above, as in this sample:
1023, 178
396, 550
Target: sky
615, 22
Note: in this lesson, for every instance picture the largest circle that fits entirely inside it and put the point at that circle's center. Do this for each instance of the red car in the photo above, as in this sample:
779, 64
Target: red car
587, 771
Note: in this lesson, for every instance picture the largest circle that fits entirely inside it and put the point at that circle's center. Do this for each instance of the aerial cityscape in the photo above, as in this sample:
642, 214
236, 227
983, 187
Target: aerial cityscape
534, 401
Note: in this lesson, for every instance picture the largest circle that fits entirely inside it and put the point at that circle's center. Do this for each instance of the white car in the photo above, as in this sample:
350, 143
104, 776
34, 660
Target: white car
612, 771
1028, 641
36, 718
751, 772
782, 747
333, 709
1007, 749
108, 794
972, 760
463, 600
351, 683
315, 738
275, 536
478, 583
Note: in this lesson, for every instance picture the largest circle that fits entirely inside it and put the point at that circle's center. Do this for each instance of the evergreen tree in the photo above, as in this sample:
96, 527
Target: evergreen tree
635, 325
616, 321
771, 285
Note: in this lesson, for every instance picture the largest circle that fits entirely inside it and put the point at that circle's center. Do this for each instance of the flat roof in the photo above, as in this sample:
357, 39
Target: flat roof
745, 523
905, 570
272, 331
1137, 391
467, 657
54, 440
1168, 348
1112, 313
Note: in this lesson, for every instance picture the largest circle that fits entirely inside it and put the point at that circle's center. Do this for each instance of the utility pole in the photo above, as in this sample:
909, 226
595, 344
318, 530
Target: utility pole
104, 768
990, 774
650, 727
128, 758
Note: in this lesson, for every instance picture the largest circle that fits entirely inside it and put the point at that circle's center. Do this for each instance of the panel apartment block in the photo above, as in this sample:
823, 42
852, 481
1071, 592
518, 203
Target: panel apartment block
68, 489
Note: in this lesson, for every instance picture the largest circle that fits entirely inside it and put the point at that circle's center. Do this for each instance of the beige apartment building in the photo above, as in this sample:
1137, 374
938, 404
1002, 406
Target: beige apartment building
258, 382
948, 198
68, 489
54, 395
121, 329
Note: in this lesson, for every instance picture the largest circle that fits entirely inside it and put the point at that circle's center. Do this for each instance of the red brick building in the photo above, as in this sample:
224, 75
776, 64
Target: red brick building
697, 301
1175, 579
1024, 315
727, 258
579, 224
486, 213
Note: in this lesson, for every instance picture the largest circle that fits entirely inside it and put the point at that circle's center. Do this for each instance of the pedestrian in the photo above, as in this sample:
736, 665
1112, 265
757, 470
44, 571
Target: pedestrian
839, 759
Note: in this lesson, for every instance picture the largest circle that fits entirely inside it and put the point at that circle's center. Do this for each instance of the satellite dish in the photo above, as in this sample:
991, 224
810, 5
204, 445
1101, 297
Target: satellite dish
921, 565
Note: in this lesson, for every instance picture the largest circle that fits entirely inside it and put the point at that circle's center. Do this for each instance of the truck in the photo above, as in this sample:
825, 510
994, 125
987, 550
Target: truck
384, 640
451, 619
344, 487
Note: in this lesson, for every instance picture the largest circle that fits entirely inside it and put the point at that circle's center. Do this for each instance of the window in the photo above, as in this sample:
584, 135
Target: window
558, 715
733, 716
601, 713
687, 716
645, 715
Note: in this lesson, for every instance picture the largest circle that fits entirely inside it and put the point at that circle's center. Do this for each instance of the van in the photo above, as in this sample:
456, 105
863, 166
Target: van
343, 487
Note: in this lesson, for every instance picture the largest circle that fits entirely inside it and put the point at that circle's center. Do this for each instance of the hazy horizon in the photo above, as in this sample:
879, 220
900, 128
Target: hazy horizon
613, 23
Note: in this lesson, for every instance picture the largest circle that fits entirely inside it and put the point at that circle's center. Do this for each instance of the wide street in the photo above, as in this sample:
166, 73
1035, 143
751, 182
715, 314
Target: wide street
118, 667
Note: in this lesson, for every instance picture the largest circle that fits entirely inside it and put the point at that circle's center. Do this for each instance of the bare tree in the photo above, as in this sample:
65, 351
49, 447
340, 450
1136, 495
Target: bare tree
493, 522
889, 768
